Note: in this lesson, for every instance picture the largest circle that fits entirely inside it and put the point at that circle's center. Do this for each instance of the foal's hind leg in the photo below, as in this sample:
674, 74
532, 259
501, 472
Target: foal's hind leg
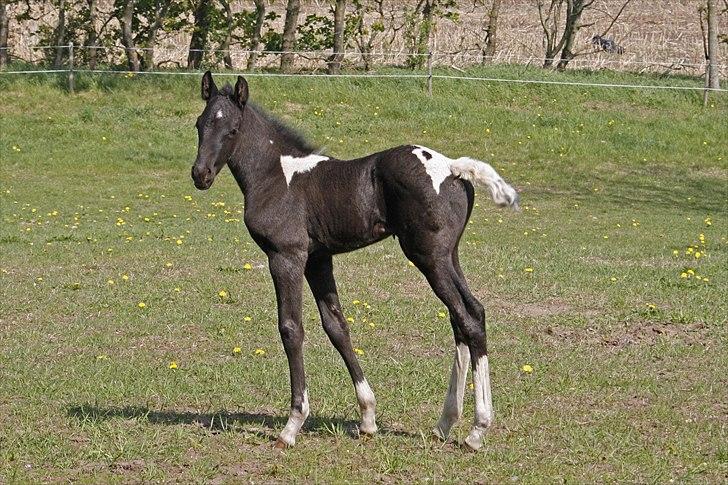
320, 277
452, 409
443, 273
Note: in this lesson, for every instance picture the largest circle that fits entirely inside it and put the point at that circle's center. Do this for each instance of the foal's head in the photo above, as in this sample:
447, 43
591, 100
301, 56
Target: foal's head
217, 128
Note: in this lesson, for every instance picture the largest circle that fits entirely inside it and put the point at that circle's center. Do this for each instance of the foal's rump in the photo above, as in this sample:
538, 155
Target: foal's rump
425, 190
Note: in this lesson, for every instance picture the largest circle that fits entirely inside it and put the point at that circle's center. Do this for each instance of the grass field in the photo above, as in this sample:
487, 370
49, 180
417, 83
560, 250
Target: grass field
611, 283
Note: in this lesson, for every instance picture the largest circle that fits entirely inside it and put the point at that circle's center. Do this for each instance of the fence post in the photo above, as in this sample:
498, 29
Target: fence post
429, 72
71, 79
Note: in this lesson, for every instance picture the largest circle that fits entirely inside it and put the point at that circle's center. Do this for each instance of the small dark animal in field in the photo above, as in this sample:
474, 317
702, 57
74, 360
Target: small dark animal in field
302, 207
606, 45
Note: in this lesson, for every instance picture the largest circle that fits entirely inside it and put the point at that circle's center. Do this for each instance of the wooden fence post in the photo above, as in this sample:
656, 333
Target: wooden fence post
71, 80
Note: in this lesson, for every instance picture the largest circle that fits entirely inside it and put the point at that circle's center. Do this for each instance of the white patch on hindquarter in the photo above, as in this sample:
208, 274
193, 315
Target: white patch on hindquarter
293, 165
295, 421
453, 407
367, 404
483, 403
437, 167
271, 141
218, 114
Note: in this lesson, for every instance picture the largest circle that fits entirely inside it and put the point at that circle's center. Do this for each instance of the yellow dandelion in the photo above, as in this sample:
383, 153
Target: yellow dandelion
111, 282
526, 369
355, 302
683, 275
246, 318
441, 314
675, 252
141, 304
612, 279
350, 319
167, 264
528, 270
125, 277
698, 254
358, 351
222, 294
179, 242
259, 352
177, 289
173, 365
247, 266
237, 351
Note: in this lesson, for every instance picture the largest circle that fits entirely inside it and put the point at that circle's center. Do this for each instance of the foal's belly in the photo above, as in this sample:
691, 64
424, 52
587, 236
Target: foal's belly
347, 213
347, 230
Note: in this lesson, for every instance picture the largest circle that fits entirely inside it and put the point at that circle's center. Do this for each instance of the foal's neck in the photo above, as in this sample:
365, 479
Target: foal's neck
255, 161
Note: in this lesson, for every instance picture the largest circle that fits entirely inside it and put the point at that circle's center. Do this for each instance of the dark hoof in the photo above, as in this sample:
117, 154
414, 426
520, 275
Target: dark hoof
280, 445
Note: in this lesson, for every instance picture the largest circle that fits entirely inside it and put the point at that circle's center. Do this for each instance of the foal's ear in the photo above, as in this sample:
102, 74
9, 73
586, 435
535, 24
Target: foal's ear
208, 88
240, 94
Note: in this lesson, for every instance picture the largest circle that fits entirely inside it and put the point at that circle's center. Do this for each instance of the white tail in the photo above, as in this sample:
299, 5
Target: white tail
482, 173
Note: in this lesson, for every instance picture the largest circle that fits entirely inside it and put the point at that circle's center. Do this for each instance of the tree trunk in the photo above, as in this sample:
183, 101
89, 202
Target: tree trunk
289, 34
255, 40
4, 28
159, 16
127, 36
60, 35
201, 28
574, 10
491, 31
225, 45
339, 24
91, 36
714, 81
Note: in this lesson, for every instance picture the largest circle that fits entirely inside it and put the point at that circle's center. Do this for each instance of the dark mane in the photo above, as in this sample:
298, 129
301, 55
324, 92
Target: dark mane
289, 134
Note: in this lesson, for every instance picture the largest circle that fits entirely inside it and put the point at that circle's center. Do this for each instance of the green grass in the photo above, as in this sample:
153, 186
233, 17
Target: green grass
629, 380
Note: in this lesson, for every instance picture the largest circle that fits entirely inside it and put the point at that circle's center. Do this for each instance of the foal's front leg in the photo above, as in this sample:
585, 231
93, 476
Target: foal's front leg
287, 272
320, 277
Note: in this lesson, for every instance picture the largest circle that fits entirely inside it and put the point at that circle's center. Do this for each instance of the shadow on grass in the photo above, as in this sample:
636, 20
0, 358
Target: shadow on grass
221, 421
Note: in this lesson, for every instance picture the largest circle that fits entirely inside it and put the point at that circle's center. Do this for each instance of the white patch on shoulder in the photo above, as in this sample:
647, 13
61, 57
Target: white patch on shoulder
218, 114
437, 166
293, 165
270, 141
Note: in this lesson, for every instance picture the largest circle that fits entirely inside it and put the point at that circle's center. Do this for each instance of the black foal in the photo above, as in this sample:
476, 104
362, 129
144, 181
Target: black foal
302, 207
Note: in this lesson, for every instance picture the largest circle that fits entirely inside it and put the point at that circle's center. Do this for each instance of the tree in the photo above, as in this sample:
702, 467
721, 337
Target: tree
4, 29
256, 34
339, 25
491, 30
200, 31
125, 14
59, 35
289, 34
560, 41
91, 37
713, 81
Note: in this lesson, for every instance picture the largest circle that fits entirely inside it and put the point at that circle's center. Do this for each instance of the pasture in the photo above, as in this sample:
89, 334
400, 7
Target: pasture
138, 337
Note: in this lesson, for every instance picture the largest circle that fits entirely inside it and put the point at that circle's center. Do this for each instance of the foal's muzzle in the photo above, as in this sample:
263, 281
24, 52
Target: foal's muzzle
202, 177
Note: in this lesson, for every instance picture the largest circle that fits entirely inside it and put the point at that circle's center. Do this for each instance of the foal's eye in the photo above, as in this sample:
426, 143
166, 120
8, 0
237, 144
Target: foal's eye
234, 131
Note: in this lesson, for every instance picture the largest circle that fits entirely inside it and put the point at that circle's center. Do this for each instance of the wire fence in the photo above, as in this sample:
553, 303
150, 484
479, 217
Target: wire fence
428, 66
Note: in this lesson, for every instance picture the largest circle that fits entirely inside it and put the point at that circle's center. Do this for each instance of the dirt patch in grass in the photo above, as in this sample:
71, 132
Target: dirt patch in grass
649, 333
641, 332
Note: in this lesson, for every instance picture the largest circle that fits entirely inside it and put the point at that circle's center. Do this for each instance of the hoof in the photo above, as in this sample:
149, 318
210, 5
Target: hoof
368, 431
438, 434
473, 445
280, 445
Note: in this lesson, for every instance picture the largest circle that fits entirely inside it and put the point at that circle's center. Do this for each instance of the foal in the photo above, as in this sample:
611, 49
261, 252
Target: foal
302, 207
